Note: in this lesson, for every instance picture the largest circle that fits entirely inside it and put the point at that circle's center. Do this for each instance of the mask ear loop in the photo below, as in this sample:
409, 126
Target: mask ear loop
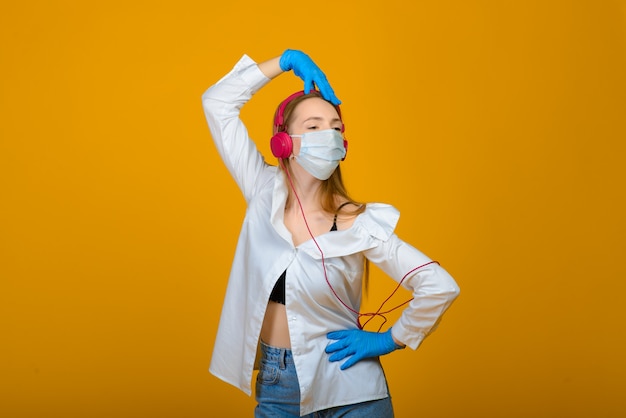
371, 315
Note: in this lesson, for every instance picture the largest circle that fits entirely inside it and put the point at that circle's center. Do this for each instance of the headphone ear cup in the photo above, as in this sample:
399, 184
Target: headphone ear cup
281, 145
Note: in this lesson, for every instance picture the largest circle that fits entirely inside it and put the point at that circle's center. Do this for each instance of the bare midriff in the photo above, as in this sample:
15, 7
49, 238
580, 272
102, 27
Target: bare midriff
275, 330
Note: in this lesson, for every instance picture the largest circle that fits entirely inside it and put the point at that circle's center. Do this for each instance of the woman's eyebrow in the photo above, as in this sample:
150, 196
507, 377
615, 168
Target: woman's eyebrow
318, 118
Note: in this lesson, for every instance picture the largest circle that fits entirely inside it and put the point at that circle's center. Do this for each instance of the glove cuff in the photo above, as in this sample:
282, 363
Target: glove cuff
396, 345
284, 61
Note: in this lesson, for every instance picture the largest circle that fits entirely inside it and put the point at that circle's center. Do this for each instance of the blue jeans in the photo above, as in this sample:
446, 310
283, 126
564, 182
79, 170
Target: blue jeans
278, 392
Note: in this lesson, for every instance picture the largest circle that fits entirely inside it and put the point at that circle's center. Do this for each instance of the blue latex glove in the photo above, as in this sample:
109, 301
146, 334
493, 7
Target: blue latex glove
307, 70
358, 345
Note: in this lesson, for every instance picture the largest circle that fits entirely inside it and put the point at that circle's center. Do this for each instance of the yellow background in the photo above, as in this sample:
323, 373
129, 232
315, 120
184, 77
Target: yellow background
496, 127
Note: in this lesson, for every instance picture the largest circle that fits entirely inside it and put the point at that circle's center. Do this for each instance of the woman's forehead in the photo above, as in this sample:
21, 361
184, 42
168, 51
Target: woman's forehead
315, 107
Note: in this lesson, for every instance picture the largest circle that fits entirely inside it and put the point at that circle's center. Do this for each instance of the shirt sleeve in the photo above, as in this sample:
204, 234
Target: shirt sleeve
222, 104
432, 287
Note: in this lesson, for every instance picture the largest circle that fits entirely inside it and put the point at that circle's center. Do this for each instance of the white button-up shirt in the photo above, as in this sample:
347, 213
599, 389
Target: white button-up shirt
265, 249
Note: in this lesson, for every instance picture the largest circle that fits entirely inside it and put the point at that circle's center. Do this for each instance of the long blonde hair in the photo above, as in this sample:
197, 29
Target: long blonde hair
333, 192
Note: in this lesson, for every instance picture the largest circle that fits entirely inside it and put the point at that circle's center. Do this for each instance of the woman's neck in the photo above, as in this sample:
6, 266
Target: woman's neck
307, 188
308, 197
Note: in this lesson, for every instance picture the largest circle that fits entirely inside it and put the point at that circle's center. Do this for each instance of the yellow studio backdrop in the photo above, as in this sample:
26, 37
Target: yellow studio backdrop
496, 128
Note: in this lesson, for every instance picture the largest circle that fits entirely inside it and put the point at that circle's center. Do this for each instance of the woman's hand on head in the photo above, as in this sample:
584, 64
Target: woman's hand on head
304, 67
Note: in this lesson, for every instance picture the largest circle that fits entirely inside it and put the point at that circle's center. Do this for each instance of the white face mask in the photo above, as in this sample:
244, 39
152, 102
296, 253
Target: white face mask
320, 152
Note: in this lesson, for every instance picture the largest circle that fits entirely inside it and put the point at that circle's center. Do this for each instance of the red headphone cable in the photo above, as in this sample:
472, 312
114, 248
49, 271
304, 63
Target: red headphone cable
372, 315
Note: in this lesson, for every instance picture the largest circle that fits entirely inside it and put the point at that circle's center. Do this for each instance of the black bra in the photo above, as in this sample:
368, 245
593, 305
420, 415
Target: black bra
278, 292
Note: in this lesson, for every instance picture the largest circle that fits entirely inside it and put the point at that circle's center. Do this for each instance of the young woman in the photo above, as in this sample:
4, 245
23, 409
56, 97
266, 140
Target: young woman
292, 303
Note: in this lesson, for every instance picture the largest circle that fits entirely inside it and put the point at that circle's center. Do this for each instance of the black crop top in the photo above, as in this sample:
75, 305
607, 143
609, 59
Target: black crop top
278, 292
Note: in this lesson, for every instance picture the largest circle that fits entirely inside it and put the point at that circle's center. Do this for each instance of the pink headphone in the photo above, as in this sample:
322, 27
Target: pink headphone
281, 143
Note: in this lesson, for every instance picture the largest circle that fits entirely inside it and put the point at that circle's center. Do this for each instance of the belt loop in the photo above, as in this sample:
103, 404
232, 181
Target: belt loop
283, 355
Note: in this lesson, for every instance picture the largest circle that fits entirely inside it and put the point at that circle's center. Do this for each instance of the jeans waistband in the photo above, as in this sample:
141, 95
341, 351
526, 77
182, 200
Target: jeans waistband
281, 355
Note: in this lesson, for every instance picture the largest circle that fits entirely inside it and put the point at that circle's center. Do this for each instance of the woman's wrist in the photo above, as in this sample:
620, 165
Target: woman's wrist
399, 345
271, 68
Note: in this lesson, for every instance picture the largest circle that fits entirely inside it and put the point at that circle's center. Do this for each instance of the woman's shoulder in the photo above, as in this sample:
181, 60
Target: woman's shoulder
375, 224
378, 220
